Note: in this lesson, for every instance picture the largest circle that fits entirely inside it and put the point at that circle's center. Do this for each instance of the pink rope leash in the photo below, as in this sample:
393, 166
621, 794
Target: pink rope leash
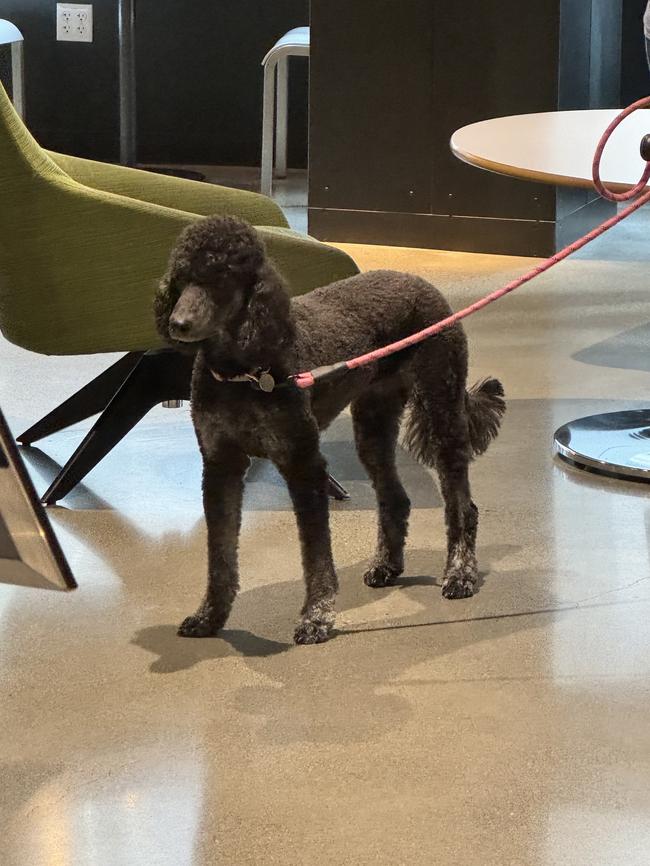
308, 379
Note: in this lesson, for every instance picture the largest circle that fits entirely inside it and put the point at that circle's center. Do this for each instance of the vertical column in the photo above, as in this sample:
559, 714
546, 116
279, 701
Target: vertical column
127, 85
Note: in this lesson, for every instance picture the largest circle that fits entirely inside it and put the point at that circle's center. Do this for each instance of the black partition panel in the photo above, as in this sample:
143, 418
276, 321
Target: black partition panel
368, 124
479, 67
390, 83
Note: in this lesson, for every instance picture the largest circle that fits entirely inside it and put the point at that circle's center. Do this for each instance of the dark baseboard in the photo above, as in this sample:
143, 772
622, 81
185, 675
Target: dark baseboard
511, 237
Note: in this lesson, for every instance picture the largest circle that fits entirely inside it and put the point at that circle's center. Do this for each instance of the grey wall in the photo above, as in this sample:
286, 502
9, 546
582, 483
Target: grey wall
199, 79
71, 89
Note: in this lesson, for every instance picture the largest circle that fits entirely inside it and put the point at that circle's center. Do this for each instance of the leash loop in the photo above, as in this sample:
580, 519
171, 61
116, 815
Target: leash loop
601, 189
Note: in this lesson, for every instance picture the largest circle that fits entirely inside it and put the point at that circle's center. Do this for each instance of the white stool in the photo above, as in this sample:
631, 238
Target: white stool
11, 35
293, 44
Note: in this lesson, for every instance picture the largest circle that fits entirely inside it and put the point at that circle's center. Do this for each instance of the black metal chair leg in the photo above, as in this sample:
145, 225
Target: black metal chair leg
337, 491
157, 376
124, 394
91, 399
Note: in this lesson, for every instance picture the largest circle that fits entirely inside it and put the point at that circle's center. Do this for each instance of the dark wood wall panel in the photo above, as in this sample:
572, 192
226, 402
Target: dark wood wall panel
372, 104
390, 83
491, 57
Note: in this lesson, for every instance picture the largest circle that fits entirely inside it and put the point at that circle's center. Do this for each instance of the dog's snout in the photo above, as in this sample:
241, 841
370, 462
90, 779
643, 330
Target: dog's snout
180, 326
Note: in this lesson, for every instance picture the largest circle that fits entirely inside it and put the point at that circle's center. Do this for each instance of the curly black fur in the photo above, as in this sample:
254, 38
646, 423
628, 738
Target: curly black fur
223, 290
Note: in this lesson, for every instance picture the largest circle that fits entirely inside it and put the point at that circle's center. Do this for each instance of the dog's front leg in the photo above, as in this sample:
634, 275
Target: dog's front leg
223, 486
306, 478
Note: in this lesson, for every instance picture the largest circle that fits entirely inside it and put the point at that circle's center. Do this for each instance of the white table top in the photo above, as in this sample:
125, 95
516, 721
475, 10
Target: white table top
556, 147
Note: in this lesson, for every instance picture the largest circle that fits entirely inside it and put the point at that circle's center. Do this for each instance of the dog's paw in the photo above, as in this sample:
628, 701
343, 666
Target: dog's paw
310, 632
199, 626
381, 575
459, 584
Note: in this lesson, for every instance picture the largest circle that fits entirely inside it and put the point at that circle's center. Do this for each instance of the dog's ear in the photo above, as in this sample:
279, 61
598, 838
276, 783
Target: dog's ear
268, 326
175, 278
163, 304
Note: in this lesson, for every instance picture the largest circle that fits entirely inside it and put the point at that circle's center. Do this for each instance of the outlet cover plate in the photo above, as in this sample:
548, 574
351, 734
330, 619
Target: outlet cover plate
74, 22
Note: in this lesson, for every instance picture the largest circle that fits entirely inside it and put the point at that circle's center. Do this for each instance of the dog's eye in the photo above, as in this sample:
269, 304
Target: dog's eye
208, 266
217, 258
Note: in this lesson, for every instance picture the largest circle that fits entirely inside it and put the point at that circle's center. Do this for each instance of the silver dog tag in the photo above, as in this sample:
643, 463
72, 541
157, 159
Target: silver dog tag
266, 383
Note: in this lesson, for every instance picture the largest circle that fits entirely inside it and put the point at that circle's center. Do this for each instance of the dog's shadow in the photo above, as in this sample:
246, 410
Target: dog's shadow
274, 608
176, 653
426, 580
380, 636
382, 639
267, 490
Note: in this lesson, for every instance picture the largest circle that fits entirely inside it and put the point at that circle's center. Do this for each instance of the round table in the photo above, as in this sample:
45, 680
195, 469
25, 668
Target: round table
557, 148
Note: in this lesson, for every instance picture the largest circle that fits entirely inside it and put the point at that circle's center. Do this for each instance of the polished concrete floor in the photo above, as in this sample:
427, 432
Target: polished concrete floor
510, 729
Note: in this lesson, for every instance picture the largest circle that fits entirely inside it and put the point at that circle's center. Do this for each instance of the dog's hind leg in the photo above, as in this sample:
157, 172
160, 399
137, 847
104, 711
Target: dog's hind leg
438, 434
439, 426
376, 417
461, 517
304, 470
223, 485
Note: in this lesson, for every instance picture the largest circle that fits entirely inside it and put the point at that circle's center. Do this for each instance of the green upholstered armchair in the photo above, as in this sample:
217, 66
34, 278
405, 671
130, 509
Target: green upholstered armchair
82, 246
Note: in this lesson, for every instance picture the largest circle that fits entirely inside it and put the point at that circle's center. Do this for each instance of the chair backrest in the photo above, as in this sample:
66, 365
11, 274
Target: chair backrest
20, 155
26, 177
78, 266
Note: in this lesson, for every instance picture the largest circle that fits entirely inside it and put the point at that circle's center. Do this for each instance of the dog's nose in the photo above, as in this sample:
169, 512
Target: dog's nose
179, 327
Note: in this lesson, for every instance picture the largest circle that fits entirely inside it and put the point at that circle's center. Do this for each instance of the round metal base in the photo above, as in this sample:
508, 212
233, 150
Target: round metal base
616, 444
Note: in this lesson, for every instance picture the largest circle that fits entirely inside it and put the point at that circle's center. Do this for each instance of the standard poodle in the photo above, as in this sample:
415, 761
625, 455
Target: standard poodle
222, 298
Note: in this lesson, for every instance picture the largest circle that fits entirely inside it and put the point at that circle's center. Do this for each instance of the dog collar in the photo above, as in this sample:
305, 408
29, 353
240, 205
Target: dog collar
261, 379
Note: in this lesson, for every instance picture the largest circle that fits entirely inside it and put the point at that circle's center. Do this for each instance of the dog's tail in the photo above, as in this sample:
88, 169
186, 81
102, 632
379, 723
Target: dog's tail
485, 406
485, 409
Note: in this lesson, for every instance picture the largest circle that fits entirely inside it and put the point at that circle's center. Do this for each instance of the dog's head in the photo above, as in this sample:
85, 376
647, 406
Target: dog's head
214, 271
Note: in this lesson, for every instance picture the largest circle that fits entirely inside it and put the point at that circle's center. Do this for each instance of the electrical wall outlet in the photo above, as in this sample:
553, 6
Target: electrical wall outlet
74, 22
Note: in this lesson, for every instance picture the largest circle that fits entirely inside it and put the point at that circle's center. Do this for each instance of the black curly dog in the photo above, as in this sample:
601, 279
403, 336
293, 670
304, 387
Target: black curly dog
222, 295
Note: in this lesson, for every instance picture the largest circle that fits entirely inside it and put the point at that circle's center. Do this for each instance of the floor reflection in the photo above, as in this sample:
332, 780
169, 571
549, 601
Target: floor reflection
144, 811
